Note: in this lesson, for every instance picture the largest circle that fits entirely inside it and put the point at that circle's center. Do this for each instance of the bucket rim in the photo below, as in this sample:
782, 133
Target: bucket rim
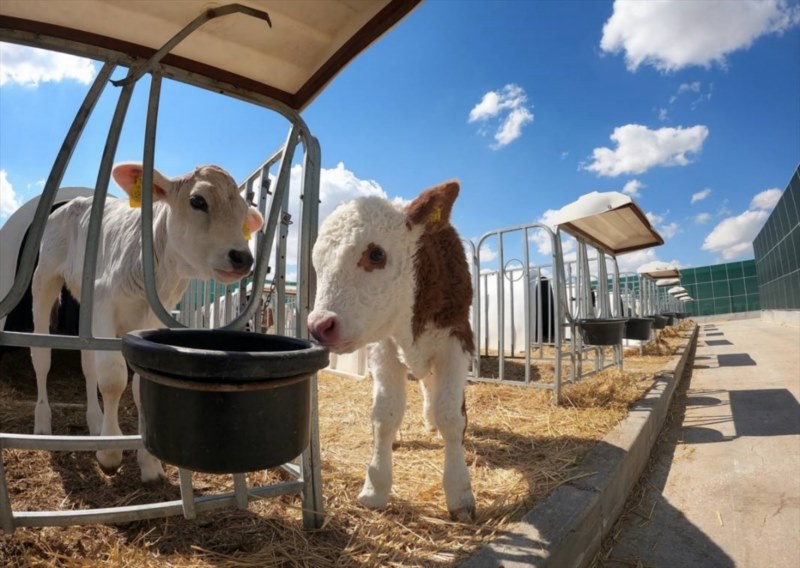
141, 350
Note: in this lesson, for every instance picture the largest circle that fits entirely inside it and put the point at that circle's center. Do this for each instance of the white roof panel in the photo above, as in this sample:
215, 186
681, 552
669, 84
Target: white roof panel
308, 43
610, 221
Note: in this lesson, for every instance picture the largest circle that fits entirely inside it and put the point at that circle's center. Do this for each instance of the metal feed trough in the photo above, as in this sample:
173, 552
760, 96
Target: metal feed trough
277, 55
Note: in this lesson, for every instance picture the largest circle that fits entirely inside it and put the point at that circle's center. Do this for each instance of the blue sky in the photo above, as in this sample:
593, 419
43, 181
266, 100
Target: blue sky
691, 107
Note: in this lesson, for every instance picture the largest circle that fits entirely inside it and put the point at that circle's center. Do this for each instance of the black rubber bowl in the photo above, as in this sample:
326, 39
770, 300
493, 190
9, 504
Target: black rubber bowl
223, 401
670, 317
638, 328
602, 331
659, 321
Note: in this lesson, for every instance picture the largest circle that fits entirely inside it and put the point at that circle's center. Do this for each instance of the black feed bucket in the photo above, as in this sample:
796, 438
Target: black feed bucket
659, 321
638, 328
223, 401
670, 317
602, 331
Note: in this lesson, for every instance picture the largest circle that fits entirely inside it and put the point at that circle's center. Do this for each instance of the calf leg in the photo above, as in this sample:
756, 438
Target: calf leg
446, 386
112, 378
388, 406
94, 414
45, 289
149, 465
428, 415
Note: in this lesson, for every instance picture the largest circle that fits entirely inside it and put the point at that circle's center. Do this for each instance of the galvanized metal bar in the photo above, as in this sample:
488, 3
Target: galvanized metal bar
187, 493
20, 339
6, 513
311, 460
526, 302
148, 164
131, 513
33, 242
501, 304
94, 229
240, 490
265, 248
10, 441
279, 278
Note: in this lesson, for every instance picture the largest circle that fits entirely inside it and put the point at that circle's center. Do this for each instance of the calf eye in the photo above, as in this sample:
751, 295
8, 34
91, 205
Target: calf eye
373, 257
198, 202
377, 256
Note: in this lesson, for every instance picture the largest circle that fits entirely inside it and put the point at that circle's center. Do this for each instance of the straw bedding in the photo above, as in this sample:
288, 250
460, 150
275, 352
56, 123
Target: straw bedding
518, 448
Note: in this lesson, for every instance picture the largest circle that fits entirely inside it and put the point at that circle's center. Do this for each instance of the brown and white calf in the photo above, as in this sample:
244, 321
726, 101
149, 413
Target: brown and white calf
399, 278
200, 224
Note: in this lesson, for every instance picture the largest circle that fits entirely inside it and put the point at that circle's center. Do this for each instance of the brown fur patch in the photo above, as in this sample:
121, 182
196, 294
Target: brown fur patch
443, 286
366, 262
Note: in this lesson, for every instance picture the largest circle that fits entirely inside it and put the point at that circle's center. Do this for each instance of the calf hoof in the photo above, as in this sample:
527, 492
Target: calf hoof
108, 470
463, 514
109, 460
372, 500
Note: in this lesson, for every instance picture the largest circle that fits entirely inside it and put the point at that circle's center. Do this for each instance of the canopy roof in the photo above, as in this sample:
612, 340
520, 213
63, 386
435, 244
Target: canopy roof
659, 274
676, 290
610, 221
686, 299
668, 282
308, 43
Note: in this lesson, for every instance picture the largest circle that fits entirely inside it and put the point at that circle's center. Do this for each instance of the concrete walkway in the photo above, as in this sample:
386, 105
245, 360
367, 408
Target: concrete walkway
723, 487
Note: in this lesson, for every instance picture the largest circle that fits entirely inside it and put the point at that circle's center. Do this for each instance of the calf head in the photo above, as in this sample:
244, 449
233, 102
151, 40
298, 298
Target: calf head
367, 257
209, 222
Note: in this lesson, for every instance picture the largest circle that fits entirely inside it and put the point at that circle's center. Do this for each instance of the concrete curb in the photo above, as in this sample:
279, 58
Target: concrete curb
567, 528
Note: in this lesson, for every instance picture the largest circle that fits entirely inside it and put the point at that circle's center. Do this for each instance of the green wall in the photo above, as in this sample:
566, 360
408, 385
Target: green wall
722, 288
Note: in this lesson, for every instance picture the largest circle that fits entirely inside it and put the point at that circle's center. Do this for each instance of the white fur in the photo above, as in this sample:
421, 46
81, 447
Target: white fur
187, 243
377, 307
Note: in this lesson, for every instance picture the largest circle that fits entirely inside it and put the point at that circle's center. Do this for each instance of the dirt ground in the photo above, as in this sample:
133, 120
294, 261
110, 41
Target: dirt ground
519, 447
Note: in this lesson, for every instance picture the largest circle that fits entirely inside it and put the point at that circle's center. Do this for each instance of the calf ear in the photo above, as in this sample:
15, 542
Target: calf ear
254, 220
128, 176
433, 206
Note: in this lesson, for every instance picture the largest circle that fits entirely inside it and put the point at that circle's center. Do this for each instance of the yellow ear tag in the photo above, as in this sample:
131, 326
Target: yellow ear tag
436, 216
135, 196
246, 231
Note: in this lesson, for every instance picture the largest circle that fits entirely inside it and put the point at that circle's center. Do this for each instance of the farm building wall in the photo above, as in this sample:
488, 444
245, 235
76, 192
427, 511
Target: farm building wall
777, 252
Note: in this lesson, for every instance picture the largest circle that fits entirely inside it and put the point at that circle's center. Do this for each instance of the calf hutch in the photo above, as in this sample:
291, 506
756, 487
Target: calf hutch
275, 55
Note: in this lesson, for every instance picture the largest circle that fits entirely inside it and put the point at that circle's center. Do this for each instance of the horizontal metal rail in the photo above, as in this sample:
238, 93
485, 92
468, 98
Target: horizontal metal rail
130, 513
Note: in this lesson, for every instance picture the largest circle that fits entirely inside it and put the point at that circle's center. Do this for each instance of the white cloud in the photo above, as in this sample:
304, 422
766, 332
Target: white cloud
767, 199
29, 66
654, 218
669, 230
564, 155
662, 114
673, 35
511, 129
543, 241
9, 200
639, 149
632, 188
702, 218
686, 87
488, 254
733, 237
511, 101
336, 186
701, 195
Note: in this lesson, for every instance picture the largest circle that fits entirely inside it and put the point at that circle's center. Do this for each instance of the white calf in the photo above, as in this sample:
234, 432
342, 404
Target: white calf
200, 224
400, 278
